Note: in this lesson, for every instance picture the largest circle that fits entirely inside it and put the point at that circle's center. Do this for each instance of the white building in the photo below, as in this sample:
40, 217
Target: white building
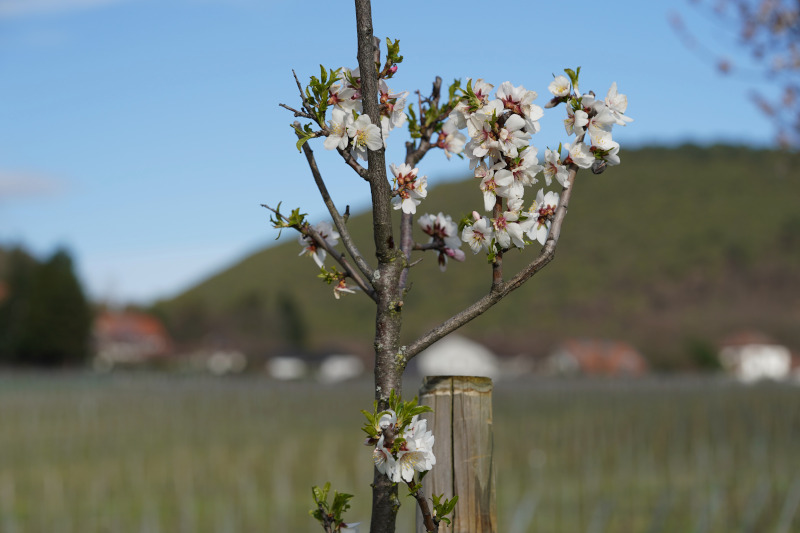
457, 356
752, 356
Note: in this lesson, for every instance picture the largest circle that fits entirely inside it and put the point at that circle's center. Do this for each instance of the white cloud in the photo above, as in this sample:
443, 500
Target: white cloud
18, 8
27, 184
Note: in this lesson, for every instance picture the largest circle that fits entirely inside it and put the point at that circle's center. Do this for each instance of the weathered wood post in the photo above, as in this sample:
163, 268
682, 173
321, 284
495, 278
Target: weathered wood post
462, 425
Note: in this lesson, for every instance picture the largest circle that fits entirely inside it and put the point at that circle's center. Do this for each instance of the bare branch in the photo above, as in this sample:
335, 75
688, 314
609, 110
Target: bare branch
338, 219
297, 113
353, 163
501, 290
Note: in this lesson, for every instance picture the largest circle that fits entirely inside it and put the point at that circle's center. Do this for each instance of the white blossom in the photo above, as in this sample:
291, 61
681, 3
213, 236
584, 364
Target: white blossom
554, 169
542, 212
317, 253
617, 104
365, 135
338, 137
580, 155
559, 87
479, 235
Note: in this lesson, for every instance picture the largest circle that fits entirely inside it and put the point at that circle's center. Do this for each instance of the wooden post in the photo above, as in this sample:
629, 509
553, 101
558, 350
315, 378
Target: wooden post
462, 426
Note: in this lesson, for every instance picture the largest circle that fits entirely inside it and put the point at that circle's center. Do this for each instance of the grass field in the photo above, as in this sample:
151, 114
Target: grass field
148, 453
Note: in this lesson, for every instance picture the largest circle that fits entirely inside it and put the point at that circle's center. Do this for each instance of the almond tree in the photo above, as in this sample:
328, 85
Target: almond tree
355, 111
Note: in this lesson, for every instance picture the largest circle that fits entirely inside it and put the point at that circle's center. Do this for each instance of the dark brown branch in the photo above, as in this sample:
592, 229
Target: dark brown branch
500, 291
379, 184
338, 219
388, 369
431, 523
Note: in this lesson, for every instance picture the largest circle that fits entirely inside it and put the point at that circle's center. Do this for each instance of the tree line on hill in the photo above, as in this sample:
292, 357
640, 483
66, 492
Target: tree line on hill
45, 318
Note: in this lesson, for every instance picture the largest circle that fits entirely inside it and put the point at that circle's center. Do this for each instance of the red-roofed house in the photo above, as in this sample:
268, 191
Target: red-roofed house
129, 337
596, 357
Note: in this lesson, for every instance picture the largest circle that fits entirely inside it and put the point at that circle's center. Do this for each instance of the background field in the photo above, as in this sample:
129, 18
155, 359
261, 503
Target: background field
155, 453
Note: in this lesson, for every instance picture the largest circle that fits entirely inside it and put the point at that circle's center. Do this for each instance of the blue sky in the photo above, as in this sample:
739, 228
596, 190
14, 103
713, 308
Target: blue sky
144, 134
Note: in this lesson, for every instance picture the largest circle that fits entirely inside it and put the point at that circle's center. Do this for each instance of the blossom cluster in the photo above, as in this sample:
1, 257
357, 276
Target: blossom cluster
411, 450
349, 127
500, 125
506, 163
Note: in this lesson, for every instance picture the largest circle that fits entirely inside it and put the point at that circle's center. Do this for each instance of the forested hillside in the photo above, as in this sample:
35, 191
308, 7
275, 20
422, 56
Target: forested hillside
670, 251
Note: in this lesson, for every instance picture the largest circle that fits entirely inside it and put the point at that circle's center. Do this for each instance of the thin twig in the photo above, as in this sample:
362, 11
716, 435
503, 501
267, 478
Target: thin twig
297, 113
414, 155
338, 219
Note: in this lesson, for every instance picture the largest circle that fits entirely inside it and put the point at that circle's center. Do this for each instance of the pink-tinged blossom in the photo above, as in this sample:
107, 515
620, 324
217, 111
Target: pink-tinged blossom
542, 212
520, 101
409, 189
338, 137
525, 168
490, 185
507, 230
481, 118
479, 235
442, 228
559, 87
512, 136
365, 135
317, 253
554, 169
344, 98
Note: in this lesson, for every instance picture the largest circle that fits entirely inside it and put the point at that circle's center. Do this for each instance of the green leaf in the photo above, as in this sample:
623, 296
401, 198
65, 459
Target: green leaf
449, 505
340, 504
301, 141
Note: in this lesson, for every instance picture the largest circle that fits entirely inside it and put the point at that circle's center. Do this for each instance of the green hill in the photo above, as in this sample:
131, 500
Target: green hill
673, 248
